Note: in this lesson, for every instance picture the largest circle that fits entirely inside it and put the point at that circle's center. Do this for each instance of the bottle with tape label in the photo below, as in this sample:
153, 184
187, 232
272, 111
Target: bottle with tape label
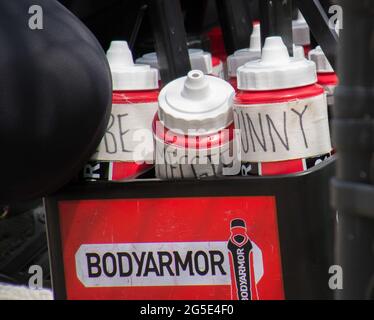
327, 78
242, 56
127, 149
194, 128
301, 33
200, 60
281, 113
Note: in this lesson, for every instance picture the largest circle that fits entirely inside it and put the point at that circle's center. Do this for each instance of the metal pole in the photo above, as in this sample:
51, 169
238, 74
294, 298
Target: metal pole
276, 20
352, 189
318, 21
170, 38
236, 24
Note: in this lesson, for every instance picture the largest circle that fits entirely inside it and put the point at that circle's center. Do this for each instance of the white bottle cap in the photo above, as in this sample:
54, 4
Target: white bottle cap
200, 60
125, 74
300, 31
323, 65
196, 102
242, 56
276, 69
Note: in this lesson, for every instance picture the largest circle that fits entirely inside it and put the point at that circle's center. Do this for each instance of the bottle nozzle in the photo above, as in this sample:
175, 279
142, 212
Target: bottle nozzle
196, 85
119, 54
274, 51
255, 41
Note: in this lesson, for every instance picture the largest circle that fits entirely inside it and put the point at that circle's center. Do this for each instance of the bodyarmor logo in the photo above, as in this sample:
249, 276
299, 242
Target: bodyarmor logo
153, 264
246, 262
175, 264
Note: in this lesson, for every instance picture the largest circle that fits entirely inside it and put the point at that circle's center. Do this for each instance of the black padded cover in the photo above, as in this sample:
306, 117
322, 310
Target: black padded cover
55, 98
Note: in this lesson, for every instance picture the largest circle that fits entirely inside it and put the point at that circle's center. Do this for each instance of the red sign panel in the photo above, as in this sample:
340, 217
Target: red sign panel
176, 248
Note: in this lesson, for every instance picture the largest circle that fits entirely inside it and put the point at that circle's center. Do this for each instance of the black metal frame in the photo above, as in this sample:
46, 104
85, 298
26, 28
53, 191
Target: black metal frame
276, 20
235, 22
170, 38
305, 222
318, 21
353, 190
235, 19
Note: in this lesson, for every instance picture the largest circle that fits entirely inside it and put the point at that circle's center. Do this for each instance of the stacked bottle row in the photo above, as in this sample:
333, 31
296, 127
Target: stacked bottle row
269, 118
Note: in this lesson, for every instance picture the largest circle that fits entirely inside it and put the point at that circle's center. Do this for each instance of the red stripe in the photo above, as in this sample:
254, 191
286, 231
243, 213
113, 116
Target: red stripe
128, 170
276, 96
329, 78
215, 61
217, 46
194, 142
281, 167
140, 96
307, 48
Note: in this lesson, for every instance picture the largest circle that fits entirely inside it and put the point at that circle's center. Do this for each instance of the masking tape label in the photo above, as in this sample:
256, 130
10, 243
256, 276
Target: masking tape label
129, 134
283, 131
